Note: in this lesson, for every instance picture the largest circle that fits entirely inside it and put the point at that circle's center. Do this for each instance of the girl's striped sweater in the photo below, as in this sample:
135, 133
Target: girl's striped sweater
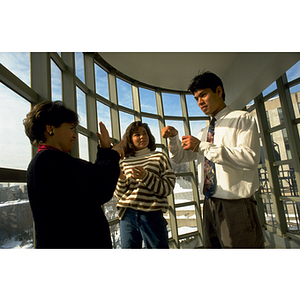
149, 193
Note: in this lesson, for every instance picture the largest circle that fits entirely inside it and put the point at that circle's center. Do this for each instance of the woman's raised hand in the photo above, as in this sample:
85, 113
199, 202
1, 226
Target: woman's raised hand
103, 136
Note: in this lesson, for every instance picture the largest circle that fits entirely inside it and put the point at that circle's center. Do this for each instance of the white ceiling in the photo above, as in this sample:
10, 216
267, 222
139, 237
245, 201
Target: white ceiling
244, 75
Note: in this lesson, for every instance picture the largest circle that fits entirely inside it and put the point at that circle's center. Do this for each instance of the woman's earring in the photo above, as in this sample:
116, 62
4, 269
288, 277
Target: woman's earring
51, 133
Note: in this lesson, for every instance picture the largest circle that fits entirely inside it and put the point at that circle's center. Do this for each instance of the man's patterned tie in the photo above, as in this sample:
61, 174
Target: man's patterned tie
209, 166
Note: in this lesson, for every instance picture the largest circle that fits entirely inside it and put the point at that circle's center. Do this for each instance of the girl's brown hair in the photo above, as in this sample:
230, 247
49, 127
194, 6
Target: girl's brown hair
129, 148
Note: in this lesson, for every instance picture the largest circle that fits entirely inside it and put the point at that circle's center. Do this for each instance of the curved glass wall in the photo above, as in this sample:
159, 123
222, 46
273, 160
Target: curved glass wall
100, 94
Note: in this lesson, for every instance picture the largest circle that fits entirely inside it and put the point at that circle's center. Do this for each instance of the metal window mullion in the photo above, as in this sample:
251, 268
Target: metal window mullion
271, 169
41, 75
171, 201
115, 121
195, 185
69, 89
91, 104
136, 101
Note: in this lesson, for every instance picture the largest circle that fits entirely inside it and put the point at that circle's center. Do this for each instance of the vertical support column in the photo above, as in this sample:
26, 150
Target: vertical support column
112, 87
136, 101
271, 168
69, 90
41, 75
195, 185
91, 105
172, 211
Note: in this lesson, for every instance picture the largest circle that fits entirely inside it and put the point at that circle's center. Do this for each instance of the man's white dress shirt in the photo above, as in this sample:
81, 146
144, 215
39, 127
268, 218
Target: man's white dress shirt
235, 152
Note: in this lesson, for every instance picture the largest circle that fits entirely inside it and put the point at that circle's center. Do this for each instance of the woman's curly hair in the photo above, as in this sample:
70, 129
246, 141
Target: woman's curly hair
47, 113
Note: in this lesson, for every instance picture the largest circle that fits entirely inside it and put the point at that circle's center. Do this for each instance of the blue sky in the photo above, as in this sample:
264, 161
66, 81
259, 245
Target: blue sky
14, 108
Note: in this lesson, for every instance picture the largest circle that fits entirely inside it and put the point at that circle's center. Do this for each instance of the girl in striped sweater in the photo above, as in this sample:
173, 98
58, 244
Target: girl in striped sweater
146, 179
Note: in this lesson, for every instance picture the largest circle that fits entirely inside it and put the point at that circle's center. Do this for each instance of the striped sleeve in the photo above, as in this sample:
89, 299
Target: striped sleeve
161, 184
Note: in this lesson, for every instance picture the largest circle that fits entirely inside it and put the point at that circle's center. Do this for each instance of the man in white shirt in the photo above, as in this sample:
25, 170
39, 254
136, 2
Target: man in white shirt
229, 215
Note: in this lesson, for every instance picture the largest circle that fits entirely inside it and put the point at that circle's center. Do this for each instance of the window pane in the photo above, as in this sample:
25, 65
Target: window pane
79, 66
296, 100
16, 224
101, 82
124, 93
281, 145
192, 107
186, 219
196, 126
125, 120
183, 191
148, 101
270, 89
171, 104
103, 114
18, 63
56, 85
81, 107
293, 72
269, 212
287, 180
292, 213
273, 111
83, 147
15, 146
154, 128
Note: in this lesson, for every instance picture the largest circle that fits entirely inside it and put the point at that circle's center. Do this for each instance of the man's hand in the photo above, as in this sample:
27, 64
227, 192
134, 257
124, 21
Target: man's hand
168, 131
190, 143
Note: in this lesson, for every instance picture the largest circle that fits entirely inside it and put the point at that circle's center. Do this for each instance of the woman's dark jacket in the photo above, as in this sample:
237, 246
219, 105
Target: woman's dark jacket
66, 194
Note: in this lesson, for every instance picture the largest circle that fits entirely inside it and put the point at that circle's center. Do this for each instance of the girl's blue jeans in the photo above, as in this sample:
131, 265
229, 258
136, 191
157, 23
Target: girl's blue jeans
137, 226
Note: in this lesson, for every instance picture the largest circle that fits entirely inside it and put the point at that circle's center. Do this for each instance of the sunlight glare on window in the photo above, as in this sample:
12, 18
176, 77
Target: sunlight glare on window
79, 65
15, 146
